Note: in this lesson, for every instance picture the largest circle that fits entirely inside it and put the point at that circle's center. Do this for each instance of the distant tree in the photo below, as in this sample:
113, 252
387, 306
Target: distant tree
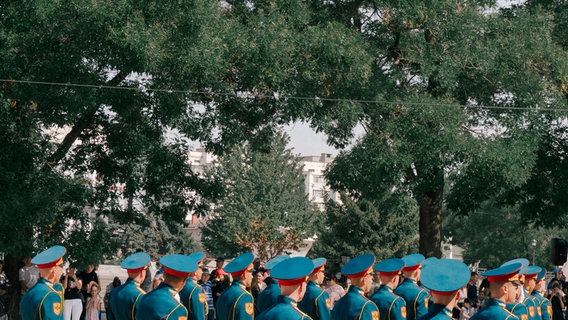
495, 234
263, 208
386, 229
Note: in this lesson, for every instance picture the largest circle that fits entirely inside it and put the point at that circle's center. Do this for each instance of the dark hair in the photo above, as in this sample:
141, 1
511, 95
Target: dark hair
116, 282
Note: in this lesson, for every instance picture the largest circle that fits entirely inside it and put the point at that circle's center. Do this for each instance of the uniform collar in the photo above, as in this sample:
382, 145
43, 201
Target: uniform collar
240, 284
496, 302
287, 300
130, 280
356, 289
313, 284
385, 287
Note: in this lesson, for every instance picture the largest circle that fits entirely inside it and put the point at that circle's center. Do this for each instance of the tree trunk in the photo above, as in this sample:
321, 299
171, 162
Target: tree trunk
430, 225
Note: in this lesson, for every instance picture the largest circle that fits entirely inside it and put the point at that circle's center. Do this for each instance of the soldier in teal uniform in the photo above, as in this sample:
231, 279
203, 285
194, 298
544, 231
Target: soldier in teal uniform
316, 301
503, 282
391, 306
516, 307
544, 307
44, 301
268, 297
416, 298
123, 299
291, 275
163, 302
354, 304
192, 295
444, 278
530, 301
236, 303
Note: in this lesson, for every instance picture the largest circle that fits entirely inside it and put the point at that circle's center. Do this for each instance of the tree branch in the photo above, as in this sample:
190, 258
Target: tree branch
82, 123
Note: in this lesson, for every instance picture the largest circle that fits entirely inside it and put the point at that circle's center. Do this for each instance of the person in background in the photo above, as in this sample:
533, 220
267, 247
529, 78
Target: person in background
73, 303
334, 290
111, 286
4, 294
93, 304
147, 283
158, 278
205, 283
217, 287
557, 301
28, 275
466, 310
88, 277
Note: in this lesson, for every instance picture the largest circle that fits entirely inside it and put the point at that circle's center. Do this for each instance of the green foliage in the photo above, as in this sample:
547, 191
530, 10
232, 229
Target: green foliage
387, 229
264, 207
493, 235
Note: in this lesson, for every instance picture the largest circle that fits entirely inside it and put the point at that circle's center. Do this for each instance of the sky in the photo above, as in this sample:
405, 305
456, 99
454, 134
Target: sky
306, 142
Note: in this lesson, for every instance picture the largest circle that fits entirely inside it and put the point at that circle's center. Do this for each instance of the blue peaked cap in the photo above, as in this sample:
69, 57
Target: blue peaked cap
179, 263
49, 256
135, 261
524, 262
428, 261
318, 262
240, 263
445, 275
411, 261
292, 268
541, 275
392, 266
358, 264
274, 261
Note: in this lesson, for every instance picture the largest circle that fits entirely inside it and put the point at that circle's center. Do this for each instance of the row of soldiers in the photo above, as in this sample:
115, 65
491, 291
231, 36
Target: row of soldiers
430, 290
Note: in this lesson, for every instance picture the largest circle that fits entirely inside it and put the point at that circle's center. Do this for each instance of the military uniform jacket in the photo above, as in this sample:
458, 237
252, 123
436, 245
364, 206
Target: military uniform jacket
544, 308
494, 310
44, 301
532, 306
284, 309
354, 305
268, 297
193, 297
391, 306
123, 300
235, 303
315, 302
416, 298
438, 312
160, 304
518, 309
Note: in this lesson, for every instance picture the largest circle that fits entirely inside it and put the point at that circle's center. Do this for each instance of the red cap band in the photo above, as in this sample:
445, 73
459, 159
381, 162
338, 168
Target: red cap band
175, 272
440, 293
291, 282
359, 275
392, 273
51, 264
136, 270
504, 278
411, 268
318, 269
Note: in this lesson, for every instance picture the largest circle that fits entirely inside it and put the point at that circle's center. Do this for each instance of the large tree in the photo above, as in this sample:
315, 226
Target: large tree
460, 95
264, 207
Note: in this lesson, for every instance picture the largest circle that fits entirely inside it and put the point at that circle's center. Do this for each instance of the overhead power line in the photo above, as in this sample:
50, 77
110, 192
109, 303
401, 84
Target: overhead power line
282, 97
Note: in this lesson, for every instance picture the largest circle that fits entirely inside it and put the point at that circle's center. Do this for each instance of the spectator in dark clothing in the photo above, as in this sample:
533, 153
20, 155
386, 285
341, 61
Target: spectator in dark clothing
217, 286
88, 278
472, 288
557, 301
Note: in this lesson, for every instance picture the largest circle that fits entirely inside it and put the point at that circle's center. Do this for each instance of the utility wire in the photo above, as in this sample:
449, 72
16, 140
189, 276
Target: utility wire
278, 97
